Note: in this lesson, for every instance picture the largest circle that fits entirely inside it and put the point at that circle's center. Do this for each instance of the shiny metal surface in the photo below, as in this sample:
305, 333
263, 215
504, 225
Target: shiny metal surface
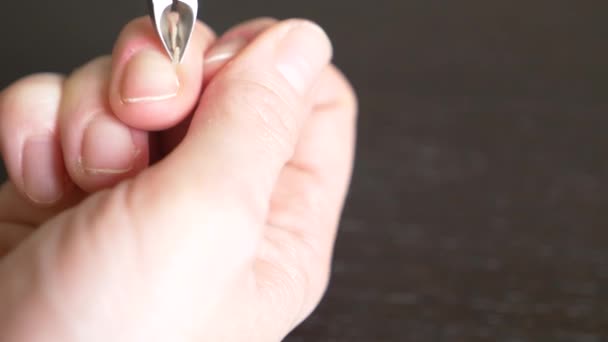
174, 21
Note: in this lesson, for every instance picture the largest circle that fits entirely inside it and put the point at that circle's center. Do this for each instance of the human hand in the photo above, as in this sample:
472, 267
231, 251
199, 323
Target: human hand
126, 218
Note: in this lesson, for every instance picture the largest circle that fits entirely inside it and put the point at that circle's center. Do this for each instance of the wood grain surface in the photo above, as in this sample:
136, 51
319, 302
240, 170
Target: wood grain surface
479, 206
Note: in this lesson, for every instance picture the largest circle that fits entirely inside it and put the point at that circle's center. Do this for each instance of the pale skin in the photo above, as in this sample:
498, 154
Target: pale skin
155, 202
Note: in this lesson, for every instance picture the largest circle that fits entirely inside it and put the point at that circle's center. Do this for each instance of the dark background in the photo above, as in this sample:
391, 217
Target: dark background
479, 205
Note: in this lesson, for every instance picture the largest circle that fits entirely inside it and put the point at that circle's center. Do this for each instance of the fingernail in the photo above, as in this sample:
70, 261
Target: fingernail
225, 50
149, 77
43, 174
107, 148
302, 53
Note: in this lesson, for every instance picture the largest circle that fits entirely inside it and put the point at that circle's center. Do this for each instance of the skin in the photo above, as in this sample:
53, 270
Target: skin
202, 206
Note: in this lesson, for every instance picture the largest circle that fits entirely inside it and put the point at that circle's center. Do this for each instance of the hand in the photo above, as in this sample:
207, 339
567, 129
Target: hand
140, 210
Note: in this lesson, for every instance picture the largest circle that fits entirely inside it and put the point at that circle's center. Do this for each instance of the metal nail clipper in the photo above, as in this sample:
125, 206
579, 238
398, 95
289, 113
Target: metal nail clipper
174, 21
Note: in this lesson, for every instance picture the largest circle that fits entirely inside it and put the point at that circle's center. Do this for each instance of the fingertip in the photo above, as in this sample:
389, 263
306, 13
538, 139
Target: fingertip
99, 149
103, 151
232, 43
304, 51
147, 91
148, 77
107, 147
110, 153
43, 87
43, 172
30, 145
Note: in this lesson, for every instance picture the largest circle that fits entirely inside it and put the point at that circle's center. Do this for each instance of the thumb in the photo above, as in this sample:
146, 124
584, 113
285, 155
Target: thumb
162, 248
215, 188
250, 116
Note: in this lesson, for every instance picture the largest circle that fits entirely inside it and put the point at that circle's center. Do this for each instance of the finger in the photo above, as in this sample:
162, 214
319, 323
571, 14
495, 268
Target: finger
219, 54
147, 91
308, 199
18, 211
232, 42
322, 162
29, 139
99, 150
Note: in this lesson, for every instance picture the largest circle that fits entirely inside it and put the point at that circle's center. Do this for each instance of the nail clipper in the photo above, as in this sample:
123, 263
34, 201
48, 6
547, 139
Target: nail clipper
174, 21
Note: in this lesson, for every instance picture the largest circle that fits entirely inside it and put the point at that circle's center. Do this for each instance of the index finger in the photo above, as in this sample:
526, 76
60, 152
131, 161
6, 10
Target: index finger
147, 91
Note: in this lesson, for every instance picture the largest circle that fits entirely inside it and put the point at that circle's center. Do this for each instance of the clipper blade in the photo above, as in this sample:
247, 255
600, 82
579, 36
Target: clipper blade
174, 22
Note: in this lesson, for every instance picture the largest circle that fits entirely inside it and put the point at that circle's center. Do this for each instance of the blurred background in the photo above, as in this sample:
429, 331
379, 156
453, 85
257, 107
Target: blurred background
479, 206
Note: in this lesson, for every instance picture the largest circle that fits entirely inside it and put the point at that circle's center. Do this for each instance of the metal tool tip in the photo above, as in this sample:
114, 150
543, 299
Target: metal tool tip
174, 21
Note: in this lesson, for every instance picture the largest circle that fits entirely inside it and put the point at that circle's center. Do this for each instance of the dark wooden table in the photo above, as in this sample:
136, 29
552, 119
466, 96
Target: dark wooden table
479, 208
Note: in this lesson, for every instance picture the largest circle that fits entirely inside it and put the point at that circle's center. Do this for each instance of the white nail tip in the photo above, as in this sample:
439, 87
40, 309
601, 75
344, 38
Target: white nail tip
145, 99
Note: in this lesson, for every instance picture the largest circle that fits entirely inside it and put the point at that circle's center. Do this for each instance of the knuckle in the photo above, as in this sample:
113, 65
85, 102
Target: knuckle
282, 291
348, 95
267, 106
351, 100
312, 271
295, 280
28, 106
